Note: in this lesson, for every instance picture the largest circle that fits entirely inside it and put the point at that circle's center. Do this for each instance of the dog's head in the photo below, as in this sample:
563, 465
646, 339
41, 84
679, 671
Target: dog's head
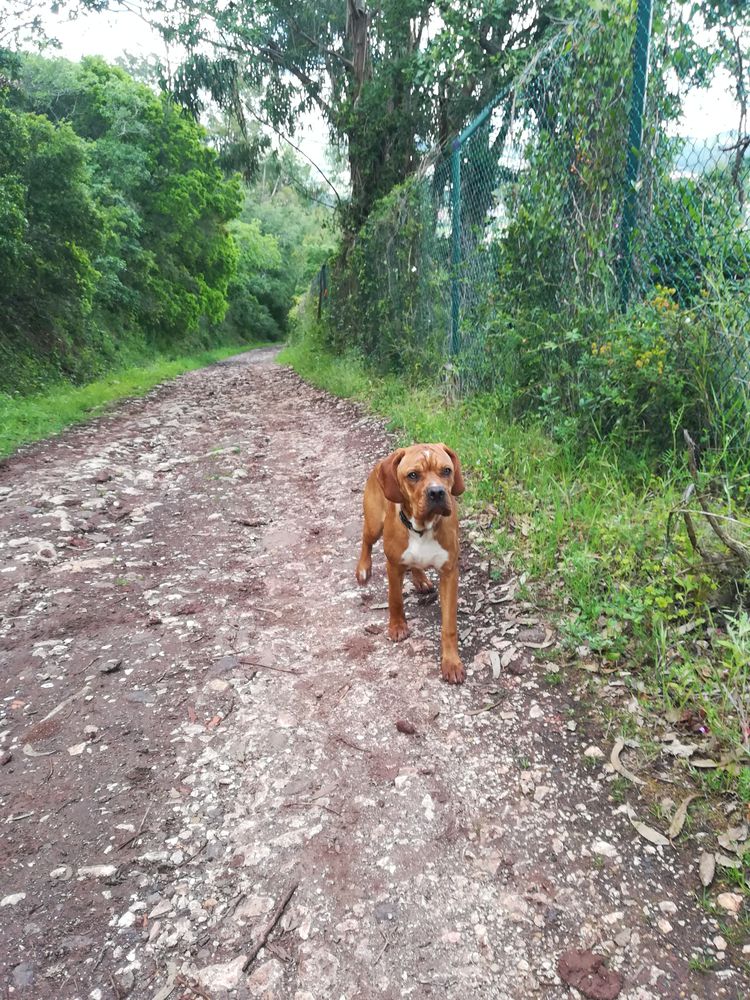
422, 478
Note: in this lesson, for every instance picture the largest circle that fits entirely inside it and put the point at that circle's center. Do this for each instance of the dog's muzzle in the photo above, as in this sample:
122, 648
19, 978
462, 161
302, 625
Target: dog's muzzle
437, 499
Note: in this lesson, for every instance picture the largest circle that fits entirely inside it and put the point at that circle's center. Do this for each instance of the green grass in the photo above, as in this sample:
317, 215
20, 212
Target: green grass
588, 530
24, 419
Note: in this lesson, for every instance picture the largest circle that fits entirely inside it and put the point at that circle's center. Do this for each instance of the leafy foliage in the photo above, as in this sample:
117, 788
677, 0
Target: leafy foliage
113, 226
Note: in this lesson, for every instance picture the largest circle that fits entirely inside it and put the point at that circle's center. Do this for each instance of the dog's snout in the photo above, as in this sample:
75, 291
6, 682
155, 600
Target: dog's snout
436, 494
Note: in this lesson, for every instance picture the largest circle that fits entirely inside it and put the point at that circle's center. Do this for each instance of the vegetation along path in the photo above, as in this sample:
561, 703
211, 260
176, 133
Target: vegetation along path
202, 715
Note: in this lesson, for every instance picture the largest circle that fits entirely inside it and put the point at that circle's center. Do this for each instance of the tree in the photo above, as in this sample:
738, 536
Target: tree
388, 81
168, 258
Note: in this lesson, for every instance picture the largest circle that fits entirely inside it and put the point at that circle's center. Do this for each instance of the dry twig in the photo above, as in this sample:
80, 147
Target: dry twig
273, 920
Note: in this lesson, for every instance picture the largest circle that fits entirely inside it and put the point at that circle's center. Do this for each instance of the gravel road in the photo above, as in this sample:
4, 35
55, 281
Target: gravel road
201, 713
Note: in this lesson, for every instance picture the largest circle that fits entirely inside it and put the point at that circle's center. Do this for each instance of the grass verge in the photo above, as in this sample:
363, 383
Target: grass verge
589, 534
24, 419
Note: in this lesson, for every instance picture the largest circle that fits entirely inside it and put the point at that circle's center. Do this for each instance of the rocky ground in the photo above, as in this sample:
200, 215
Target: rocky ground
201, 714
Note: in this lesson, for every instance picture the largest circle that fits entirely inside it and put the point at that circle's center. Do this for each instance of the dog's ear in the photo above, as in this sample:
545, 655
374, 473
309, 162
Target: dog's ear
387, 476
458, 479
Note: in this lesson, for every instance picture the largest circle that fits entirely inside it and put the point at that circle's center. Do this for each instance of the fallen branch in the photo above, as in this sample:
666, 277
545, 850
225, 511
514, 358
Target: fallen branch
348, 743
193, 985
740, 551
266, 931
488, 708
137, 834
266, 666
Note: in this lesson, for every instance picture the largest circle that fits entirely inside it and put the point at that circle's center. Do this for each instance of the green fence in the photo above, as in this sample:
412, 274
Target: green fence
572, 250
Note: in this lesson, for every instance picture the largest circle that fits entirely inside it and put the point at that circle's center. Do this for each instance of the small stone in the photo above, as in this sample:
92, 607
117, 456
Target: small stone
535, 712
729, 901
162, 907
604, 849
224, 975
406, 727
664, 925
110, 666
126, 920
62, 873
97, 871
13, 900
623, 937
720, 943
125, 981
667, 906
217, 684
594, 752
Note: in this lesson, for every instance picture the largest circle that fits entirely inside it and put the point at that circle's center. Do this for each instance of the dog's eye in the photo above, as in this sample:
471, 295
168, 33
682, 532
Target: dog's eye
446, 471
414, 476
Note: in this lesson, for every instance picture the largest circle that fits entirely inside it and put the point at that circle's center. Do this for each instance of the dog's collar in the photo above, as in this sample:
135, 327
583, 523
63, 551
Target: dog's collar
405, 520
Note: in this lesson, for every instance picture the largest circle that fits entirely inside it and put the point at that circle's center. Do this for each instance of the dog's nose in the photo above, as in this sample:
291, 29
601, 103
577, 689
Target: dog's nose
435, 494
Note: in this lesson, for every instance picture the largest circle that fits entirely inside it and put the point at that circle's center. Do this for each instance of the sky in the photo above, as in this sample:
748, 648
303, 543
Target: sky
706, 112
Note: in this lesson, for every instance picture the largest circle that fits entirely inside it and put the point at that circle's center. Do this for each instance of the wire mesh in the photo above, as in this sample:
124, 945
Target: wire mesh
572, 251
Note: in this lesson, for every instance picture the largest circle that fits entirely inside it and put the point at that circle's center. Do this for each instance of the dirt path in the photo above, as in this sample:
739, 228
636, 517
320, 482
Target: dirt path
200, 709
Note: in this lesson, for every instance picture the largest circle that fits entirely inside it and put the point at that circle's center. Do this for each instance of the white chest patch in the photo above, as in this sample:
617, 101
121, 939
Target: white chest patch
424, 552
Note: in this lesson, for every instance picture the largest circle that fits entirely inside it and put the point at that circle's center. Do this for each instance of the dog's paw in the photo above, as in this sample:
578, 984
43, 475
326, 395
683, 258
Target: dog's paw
398, 631
422, 583
452, 671
364, 572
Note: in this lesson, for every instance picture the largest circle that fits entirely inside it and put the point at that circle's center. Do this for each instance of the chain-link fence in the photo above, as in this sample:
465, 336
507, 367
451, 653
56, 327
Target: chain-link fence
573, 249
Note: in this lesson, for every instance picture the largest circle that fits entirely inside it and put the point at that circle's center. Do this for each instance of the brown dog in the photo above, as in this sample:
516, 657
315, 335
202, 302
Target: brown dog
409, 501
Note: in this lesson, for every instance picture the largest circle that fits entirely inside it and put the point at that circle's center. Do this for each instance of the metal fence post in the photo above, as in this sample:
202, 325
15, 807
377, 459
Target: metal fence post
641, 50
455, 244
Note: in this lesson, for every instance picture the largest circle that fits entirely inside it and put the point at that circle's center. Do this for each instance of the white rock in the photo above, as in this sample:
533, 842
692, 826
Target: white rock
664, 925
13, 899
720, 943
593, 752
667, 906
97, 871
729, 901
541, 792
223, 975
603, 848
126, 920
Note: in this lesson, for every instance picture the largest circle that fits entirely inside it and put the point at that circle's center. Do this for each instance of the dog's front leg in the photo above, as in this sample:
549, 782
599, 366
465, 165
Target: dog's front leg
450, 665
397, 627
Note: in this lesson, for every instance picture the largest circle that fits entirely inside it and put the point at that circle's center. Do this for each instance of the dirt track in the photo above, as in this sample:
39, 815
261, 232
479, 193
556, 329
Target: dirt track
200, 709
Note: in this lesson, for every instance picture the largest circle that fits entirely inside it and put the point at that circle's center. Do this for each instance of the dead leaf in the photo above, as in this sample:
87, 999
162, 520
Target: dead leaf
614, 759
29, 751
707, 868
496, 663
678, 820
549, 640
648, 833
678, 749
726, 862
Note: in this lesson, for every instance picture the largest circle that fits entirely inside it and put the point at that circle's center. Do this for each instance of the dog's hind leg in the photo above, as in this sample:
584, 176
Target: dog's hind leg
374, 511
